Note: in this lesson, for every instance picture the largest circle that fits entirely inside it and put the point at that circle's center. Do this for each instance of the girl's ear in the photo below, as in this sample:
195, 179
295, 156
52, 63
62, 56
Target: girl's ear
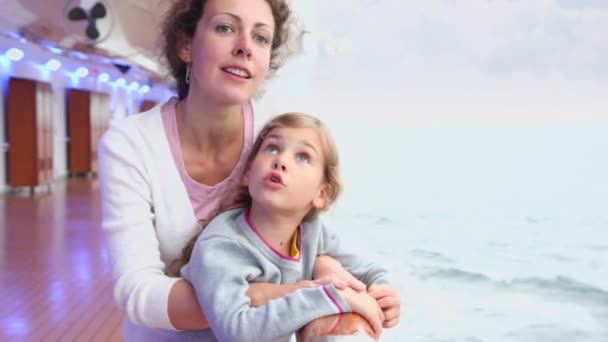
320, 200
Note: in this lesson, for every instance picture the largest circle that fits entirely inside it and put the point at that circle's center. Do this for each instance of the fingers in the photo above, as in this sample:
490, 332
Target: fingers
388, 302
379, 291
354, 283
376, 324
390, 323
391, 306
391, 314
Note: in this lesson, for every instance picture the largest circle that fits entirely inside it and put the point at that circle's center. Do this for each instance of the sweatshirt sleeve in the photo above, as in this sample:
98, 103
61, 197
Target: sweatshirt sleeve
367, 271
219, 270
141, 287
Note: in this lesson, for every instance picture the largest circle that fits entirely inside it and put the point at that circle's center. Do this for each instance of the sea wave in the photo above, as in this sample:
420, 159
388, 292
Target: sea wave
559, 283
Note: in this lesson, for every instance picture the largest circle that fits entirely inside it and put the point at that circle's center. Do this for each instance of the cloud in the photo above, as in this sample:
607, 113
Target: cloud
544, 38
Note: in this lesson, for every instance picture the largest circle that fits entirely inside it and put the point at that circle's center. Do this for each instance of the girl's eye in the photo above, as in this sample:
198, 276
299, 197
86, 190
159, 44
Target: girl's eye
223, 28
262, 39
303, 157
271, 148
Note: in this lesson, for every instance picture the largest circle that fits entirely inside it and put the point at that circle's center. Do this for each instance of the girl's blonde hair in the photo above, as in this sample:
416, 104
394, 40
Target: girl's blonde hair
239, 197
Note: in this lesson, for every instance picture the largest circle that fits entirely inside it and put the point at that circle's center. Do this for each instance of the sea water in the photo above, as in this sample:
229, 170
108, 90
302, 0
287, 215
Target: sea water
492, 232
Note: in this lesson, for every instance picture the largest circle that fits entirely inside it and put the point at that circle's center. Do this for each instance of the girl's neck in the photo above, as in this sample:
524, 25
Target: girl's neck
276, 228
208, 126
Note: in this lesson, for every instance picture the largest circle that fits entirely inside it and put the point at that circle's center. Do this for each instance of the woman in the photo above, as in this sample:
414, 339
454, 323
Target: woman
163, 170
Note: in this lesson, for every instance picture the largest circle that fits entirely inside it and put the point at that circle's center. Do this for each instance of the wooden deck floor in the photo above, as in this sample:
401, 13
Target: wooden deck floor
55, 281
54, 270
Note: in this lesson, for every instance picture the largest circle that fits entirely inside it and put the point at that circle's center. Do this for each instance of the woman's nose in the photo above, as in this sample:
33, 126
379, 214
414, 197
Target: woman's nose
242, 47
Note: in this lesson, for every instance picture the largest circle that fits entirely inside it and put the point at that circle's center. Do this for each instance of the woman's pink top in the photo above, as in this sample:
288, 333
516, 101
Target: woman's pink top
205, 198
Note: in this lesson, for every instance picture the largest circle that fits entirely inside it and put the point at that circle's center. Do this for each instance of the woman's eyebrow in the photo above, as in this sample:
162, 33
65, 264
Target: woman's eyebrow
239, 20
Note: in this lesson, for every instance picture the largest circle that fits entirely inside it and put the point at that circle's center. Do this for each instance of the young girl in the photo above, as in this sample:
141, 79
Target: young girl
268, 231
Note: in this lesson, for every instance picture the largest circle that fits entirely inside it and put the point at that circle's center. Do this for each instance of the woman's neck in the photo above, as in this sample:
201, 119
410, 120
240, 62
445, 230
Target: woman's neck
207, 126
276, 229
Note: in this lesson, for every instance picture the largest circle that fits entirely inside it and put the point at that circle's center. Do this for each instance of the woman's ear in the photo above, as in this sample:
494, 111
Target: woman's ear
185, 50
320, 200
245, 179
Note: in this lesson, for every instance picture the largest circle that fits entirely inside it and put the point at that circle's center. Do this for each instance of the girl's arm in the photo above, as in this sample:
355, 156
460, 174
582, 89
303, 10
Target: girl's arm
219, 270
333, 273
365, 270
149, 297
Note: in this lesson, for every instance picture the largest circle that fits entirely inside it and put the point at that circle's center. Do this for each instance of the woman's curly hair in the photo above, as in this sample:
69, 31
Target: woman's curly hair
180, 25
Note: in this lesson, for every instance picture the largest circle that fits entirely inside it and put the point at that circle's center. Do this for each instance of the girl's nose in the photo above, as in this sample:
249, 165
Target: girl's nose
278, 165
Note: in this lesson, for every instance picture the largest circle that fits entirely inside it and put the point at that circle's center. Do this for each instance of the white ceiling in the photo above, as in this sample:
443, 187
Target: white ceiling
130, 29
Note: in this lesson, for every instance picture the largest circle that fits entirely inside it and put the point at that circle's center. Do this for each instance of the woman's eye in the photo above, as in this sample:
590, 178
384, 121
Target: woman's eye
262, 39
223, 28
303, 157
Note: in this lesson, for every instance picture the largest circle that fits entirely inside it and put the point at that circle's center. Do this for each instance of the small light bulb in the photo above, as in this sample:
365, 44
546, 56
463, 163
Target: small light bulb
82, 72
15, 54
104, 77
53, 65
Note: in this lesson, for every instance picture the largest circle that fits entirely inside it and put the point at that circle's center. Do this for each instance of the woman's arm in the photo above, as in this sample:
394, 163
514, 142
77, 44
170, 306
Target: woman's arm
149, 297
345, 324
352, 262
184, 310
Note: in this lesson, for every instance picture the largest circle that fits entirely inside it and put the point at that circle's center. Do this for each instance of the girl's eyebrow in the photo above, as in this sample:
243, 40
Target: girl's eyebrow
301, 142
239, 20
275, 136
309, 145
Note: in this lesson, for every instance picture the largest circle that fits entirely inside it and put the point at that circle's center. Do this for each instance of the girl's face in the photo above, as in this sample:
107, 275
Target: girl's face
229, 55
287, 172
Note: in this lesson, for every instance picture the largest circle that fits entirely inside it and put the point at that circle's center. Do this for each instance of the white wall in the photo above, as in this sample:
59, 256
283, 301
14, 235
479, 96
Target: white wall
60, 160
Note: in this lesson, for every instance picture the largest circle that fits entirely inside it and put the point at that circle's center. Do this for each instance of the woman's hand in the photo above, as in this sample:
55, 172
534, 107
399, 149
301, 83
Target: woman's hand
388, 300
366, 306
329, 271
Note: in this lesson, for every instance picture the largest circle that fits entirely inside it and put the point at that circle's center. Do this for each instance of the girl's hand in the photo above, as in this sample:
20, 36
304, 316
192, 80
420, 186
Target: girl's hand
388, 300
329, 271
366, 306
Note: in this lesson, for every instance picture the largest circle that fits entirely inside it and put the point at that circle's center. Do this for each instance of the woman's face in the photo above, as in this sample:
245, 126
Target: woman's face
229, 54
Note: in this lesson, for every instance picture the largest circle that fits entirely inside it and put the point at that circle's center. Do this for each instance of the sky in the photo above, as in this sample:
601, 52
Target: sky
495, 38
461, 106
461, 60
